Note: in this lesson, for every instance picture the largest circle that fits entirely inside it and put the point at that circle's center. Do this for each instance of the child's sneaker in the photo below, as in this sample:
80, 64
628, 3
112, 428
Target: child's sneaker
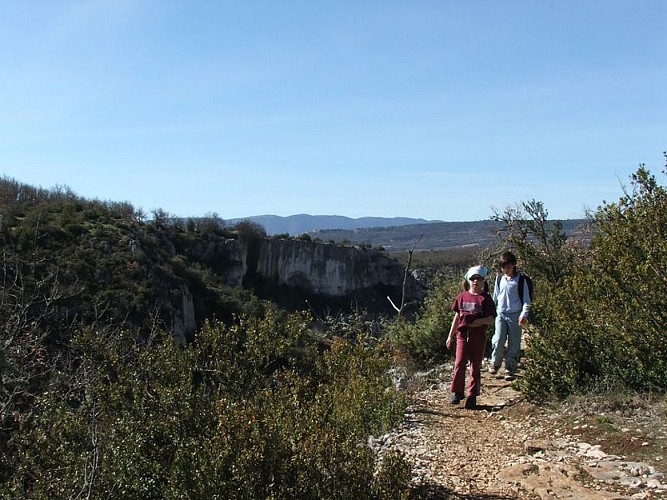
471, 402
455, 398
493, 369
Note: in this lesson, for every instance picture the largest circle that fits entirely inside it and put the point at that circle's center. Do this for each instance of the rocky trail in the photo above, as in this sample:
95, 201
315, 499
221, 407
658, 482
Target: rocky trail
510, 448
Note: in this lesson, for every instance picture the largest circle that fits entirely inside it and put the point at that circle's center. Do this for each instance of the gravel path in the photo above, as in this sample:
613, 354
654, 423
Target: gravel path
509, 448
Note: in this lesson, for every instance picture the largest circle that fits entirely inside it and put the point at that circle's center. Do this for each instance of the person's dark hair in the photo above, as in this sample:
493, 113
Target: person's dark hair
466, 286
507, 258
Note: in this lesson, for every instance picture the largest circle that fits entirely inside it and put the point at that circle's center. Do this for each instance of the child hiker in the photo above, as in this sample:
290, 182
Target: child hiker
474, 312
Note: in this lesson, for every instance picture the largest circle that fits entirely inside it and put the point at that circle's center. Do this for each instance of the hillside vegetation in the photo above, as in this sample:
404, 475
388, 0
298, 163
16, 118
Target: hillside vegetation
601, 319
79, 262
97, 400
468, 237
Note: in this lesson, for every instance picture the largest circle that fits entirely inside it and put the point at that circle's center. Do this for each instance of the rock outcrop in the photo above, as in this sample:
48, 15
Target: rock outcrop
328, 269
184, 324
291, 271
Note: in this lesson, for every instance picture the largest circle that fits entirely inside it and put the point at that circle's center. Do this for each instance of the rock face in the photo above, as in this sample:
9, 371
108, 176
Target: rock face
325, 275
327, 269
224, 256
291, 271
184, 324
294, 274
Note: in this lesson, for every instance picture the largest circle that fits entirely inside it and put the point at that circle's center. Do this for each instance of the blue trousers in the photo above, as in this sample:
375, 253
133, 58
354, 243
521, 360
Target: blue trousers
507, 330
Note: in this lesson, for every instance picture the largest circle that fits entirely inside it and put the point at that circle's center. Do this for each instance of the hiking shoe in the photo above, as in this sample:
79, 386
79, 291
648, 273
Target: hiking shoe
509, 376
455, 398
493, 369
471, 402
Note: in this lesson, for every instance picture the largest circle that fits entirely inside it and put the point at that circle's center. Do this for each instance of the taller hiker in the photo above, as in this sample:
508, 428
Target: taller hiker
512, 309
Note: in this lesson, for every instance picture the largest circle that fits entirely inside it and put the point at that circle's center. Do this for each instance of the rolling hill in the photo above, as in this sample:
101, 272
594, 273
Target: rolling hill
303, 223
434, 236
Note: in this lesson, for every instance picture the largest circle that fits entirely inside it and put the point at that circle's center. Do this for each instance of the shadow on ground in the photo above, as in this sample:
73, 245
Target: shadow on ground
438, 492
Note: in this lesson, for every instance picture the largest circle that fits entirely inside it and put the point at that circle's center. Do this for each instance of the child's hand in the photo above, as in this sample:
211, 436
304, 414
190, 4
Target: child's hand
449, 342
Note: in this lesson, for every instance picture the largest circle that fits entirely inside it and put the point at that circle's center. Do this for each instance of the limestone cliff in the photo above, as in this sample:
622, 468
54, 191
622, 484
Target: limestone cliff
184, 324
297, 274
341, 274
328, 269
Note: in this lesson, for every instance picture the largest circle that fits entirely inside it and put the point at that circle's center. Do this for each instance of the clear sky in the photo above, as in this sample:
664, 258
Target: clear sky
439, 109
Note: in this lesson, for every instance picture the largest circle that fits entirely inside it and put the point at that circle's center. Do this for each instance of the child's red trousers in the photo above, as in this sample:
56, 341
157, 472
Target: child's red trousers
469, 347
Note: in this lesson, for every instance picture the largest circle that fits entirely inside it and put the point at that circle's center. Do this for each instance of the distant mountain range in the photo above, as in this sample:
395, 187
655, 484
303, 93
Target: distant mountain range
396, 234
295, 225
434, 236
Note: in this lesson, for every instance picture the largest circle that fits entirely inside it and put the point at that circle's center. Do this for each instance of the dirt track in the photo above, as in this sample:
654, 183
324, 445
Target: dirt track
509, 448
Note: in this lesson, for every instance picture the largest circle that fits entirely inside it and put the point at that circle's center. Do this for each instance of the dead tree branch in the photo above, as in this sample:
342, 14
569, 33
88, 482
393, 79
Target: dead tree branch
401, 309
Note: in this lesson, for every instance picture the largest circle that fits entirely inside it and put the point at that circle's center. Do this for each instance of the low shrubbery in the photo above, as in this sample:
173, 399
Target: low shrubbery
250, 410
421, 343
96, 400
605, 325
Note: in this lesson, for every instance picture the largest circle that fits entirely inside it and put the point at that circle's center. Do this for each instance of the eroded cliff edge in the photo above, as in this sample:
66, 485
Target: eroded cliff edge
328, 276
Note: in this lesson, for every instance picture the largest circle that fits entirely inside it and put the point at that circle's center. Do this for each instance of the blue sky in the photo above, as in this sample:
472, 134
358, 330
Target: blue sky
435, 109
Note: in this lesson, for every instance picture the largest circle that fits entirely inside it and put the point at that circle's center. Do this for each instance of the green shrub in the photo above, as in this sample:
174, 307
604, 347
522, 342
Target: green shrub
249, 410
604, 326
422, 343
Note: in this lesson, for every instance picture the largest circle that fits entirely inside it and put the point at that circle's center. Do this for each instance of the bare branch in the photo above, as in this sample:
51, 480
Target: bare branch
405, 279
398, 309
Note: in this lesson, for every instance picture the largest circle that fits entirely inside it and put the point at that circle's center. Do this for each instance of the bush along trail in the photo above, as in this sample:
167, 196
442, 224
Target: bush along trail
510, 448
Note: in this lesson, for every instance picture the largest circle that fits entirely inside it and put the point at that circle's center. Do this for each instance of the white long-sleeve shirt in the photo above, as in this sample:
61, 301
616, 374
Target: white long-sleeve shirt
506, 296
